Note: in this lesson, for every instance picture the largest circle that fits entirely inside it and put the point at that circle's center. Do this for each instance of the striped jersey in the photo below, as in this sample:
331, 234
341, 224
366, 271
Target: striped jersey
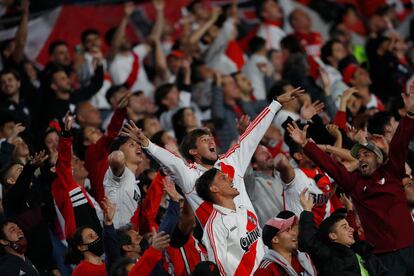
235, 163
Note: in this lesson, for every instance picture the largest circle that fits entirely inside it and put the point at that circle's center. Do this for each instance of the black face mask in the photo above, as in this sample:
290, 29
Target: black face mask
96, 247
20, 246
208, 162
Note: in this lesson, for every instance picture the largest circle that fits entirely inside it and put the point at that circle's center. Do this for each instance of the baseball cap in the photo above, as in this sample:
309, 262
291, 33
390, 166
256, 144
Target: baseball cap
275, 226
348, 72
369, 146
176, 54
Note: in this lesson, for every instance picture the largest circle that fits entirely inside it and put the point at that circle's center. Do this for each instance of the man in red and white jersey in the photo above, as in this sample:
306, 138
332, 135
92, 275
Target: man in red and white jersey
319, 185
232, 233
199, 147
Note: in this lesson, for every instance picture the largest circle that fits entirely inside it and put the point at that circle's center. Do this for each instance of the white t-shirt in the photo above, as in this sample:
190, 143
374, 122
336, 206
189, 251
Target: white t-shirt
124, 192
292, 190
121, 67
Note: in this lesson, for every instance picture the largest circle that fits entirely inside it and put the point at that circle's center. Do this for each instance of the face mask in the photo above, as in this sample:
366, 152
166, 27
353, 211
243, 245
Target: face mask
96, 247
19, 246
207, 161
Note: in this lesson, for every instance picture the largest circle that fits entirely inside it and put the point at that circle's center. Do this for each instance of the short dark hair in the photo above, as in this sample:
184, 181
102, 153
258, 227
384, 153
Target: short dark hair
117, 143
161, 92
327, 226
327, 51
378, 122
87, 33
191, 5
256, 44
55, 44
119, 268
4, 172
180, 129
259, 8
294, 148
6, 117
292, 44
157, 138
203, 184
123, 237
189, 142
73, 254
112, 91
3, 223
277, 89
12, 71
109, 35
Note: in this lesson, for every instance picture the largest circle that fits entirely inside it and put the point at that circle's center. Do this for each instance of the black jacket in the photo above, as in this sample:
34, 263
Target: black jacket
334, 258
11, 265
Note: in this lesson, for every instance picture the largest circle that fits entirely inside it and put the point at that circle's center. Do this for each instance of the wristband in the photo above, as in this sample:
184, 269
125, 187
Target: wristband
410, 113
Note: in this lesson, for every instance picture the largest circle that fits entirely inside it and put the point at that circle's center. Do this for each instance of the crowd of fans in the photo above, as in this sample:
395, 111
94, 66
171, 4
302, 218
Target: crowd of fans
219, 148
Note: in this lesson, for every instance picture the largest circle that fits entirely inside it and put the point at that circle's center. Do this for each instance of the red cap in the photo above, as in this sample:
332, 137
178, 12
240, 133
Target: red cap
348, 72
176, 54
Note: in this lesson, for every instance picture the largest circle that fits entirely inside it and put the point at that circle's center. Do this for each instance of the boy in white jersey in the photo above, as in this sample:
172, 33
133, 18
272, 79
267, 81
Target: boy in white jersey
232, 233
199, 147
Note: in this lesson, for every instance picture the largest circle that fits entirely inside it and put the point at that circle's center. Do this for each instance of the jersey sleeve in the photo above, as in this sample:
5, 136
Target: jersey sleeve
241, 153
174, 165
292, 190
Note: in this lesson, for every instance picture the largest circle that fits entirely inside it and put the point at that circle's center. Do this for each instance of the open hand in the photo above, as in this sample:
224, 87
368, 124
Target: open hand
169, 188
108, 209
290, 95
38, 158
305, 200
160, 240
68, 121
132, 131
298, 135
309, 110
242, 123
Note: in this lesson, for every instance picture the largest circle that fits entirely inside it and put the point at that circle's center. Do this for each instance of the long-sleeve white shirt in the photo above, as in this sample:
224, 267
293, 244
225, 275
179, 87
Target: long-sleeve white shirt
124, 192
237, 159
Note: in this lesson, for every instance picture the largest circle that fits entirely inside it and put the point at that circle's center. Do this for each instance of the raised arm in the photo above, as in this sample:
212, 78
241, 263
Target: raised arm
64, 161
334, 169
198, 34
85, 93
21, 34
120, 31
308, 233
14, 198
172, 163
242, 152
399, 144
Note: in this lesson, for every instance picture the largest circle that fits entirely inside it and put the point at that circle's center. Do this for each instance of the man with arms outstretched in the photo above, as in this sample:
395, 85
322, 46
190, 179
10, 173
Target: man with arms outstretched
199, 148
377, 191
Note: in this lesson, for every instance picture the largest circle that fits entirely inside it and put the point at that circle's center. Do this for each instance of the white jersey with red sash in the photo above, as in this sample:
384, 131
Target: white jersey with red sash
234, 163
233, 240
319, 187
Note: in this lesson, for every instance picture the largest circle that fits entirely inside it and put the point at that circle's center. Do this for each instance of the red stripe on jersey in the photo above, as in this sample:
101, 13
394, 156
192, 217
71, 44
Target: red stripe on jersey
133, 75
248, 260
204, 212
213, 243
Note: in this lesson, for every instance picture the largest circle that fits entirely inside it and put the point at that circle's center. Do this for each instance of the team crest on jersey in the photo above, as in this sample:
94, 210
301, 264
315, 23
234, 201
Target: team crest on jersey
252, 219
